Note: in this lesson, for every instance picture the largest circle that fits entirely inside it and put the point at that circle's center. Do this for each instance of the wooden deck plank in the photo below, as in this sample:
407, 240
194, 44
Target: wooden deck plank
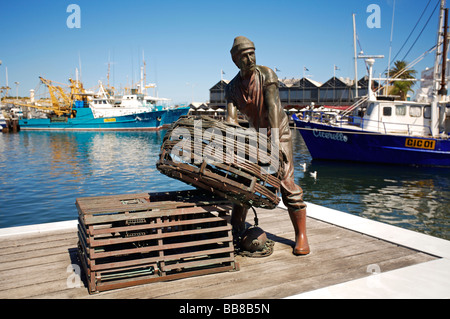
25, 241
52, 248
295, 286
35, 266
276, 270
38, 279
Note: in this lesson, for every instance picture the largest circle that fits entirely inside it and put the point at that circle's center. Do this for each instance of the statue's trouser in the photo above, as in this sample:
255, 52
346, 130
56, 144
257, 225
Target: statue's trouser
298, 219
292, 196
238, 216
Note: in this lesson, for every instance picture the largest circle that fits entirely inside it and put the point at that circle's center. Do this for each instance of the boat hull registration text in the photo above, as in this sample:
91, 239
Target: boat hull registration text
420, 143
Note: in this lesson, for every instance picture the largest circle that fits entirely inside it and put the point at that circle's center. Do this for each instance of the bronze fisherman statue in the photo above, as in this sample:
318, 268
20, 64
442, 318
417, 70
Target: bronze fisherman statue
254, 92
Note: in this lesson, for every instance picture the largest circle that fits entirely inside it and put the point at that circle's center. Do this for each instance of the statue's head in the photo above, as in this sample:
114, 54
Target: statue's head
243, 54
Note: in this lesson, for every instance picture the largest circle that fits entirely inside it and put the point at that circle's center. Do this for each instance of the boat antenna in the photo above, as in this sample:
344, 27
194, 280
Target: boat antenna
79, 64
145, 73
421, 31
413, 29
390, 44
355, 57
132, 70
109, 67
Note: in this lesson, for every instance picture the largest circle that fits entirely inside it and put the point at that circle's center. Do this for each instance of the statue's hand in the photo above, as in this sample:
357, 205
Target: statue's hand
231, 120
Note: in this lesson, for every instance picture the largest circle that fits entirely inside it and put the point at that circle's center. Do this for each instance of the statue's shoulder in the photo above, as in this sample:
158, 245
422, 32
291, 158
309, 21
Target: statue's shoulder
268, 75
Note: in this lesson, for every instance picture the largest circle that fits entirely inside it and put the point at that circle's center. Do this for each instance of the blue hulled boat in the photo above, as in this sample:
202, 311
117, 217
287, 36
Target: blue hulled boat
330, 142
380, 129
2, 119
82, 111
84, 120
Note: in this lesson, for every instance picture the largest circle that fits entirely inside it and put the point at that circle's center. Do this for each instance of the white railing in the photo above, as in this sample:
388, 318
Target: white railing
360, 123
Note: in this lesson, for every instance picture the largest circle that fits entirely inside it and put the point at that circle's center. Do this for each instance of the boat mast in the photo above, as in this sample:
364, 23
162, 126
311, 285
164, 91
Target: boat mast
141, 85
356, 61
439, 55
443, 90
145, 73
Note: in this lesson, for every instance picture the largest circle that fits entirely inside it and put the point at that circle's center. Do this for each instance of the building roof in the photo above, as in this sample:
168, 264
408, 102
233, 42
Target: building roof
306, 82
288, 82
364, 82
337, 82
197, 105
220, 85
333, 82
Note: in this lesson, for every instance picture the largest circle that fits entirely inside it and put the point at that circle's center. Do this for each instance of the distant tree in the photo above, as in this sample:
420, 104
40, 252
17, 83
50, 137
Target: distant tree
401, 87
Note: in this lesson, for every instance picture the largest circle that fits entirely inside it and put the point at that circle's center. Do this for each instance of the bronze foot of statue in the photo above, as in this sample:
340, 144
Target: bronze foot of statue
238, 217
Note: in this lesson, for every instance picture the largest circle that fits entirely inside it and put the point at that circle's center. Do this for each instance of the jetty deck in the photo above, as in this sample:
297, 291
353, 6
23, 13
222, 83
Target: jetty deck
36, 262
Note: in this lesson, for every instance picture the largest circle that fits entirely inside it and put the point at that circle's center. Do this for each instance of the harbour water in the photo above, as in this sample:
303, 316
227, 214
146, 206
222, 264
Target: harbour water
42, 173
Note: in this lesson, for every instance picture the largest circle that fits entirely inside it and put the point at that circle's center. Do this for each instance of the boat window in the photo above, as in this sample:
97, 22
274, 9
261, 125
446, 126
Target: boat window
387, 111
370, 108
400, 110
427, 112
415, 111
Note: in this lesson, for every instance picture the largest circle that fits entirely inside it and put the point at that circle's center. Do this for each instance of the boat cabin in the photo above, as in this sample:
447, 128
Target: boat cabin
397, 117
132, 100
101, 102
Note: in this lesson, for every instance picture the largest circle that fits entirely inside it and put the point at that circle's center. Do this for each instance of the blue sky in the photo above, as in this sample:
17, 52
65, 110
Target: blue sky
187, 43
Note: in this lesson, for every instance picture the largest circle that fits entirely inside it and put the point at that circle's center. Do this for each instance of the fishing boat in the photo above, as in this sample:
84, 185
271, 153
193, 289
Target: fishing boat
105, 104
82, 111
381, 129
2, 120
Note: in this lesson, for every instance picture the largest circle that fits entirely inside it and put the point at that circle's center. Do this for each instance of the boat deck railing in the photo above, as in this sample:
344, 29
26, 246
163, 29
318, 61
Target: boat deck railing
357, 122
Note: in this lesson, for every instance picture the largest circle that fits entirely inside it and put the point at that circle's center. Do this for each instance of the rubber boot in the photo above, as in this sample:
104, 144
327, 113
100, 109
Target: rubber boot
298, 218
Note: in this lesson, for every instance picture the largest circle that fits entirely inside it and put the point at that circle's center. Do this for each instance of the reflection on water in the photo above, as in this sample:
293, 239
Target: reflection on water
409, 197
42, 173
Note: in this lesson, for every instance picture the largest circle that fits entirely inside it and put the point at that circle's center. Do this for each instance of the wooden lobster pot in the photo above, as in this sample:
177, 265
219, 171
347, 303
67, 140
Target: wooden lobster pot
132, 239
230, 170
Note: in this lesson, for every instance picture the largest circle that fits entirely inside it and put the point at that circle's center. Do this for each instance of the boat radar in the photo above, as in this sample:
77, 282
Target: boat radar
370, 60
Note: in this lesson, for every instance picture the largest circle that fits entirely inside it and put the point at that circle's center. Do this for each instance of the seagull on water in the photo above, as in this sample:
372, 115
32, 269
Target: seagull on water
313, 174
304, 166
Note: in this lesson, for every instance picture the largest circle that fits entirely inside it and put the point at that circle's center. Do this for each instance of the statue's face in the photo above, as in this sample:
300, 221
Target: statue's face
247, 61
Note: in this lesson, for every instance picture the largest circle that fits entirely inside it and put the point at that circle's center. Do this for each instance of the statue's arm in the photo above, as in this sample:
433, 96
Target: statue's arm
272, 98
